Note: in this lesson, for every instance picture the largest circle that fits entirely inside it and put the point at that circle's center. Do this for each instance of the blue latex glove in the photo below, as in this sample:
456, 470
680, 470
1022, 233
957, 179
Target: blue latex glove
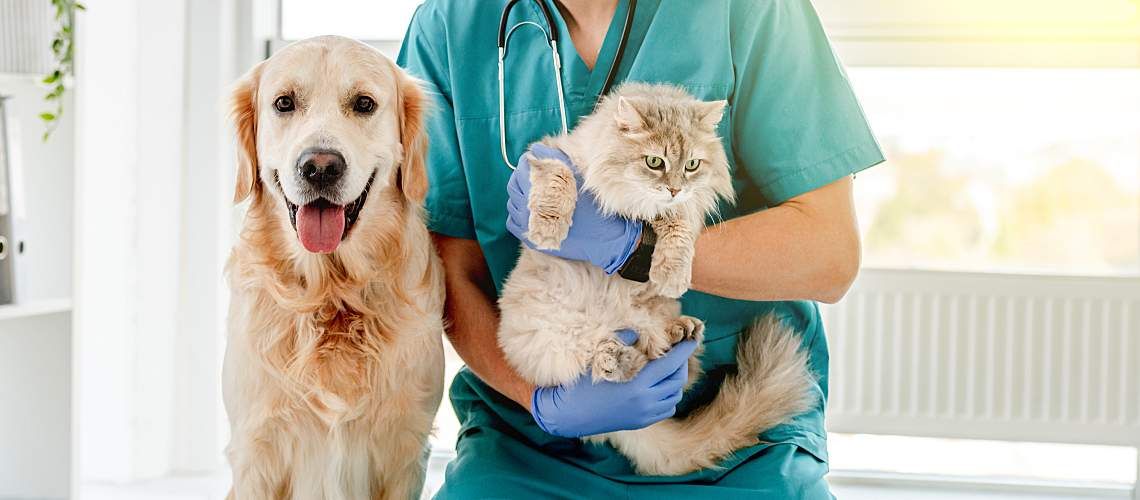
604, 241
584, 408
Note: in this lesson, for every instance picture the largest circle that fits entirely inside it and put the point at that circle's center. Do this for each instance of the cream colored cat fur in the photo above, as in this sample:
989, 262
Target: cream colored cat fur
650, 153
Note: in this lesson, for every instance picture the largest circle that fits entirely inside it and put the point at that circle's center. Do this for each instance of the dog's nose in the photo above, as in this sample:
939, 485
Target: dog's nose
320, 167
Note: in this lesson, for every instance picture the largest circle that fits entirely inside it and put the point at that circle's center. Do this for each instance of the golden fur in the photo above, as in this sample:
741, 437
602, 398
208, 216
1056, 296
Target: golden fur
334, 363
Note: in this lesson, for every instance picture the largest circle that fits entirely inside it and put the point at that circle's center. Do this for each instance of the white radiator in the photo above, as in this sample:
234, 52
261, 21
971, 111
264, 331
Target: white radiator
987, 356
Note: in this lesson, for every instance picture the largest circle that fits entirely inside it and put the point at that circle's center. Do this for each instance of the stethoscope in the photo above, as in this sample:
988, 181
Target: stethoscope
551, 33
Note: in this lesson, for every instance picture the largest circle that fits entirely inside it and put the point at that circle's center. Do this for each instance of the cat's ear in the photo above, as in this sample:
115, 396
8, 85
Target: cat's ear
629, 119
710, 113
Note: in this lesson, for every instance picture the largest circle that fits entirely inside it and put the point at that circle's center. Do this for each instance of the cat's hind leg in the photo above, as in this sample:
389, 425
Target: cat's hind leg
553, 193
661, 325
546, 353
685, 328
616, 362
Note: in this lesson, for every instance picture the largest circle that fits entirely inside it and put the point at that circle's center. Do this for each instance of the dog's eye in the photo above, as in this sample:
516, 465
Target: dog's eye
283, 104
364, 104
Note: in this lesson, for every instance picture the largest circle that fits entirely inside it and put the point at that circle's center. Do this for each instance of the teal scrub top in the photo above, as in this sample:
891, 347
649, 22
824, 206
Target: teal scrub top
792, 125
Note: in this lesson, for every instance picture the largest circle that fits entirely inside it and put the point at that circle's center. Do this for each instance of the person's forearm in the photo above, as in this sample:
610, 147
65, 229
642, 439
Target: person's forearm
805, 249
474, 321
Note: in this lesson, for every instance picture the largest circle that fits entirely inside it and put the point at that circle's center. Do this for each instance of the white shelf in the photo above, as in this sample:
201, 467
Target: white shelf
34, 308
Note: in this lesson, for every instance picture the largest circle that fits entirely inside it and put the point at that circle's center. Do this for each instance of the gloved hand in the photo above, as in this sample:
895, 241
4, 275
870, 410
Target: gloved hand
604, 241
584, 408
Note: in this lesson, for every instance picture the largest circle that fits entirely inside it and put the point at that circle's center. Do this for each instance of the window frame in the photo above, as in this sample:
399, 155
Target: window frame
930, 39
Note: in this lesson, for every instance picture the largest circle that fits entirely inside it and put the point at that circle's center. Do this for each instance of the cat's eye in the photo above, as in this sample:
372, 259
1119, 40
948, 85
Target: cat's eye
654, 162
284, 104
693, 165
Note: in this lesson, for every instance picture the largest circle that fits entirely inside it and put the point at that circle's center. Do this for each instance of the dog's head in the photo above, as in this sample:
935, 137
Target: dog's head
321, 125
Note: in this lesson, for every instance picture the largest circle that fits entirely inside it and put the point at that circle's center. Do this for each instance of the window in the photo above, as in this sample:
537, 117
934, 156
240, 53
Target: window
374, 20
1012, 133
1011, 128
1002, 169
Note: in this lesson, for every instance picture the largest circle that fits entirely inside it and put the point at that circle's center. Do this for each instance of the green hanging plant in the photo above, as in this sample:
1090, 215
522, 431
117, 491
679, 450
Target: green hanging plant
63, 50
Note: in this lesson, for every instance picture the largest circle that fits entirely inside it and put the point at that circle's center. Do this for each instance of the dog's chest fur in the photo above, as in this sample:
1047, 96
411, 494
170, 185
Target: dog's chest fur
333, 356
344, 350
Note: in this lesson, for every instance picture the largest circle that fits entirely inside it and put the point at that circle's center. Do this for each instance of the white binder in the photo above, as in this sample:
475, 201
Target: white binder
10, 247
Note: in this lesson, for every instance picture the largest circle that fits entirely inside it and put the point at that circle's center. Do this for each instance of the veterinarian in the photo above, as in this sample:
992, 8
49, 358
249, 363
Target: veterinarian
795, 136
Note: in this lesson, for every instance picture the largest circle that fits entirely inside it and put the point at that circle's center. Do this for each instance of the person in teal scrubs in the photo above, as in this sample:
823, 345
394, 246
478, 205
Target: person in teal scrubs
795, 135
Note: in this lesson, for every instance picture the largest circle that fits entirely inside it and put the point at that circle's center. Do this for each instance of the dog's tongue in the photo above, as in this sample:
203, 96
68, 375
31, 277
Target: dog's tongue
320, 226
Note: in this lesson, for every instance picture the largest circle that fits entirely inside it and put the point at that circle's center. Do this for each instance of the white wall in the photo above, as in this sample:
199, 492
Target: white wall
210, 65
155, 164
128, 171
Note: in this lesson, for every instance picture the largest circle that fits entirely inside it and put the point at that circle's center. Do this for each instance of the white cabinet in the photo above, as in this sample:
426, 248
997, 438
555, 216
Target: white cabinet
35, 332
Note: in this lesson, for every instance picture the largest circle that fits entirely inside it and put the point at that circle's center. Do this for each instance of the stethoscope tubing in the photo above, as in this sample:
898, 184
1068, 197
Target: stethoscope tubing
551, 34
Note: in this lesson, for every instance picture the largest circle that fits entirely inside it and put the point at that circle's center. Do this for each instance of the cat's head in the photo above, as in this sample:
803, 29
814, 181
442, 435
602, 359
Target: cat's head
657, 151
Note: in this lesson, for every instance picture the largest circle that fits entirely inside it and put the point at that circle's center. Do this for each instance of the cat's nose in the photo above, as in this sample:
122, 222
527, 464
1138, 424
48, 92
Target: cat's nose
673, 191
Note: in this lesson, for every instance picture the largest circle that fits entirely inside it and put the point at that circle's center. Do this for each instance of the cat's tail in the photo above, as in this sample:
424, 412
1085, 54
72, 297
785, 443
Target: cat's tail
772, 384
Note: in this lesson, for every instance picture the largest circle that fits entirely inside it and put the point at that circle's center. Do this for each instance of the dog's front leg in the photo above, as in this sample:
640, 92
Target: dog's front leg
399, 460
260, 471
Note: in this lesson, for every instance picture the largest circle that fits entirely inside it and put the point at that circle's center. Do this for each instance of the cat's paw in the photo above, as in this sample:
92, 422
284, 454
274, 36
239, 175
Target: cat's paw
553, 195
616, 362
685, 328
671, 279
654, 346
547, 232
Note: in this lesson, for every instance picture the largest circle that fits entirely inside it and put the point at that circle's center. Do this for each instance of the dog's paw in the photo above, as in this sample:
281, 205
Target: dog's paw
616, 362
685, 328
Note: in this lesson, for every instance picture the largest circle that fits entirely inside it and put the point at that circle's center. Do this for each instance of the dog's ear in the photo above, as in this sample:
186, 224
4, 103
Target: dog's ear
243, 113
411, 177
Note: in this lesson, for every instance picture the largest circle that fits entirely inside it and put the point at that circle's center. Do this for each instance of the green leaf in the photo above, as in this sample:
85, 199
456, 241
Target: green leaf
63, 48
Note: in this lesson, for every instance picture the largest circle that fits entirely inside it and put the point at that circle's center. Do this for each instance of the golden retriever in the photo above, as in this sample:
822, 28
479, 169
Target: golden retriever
334, 363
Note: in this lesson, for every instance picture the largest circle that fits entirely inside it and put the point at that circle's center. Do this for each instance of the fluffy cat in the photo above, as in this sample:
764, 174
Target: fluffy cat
649, 153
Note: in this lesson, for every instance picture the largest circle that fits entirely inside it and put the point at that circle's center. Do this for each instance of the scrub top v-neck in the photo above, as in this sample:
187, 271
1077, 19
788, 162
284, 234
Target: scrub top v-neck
792, 125
582, 85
